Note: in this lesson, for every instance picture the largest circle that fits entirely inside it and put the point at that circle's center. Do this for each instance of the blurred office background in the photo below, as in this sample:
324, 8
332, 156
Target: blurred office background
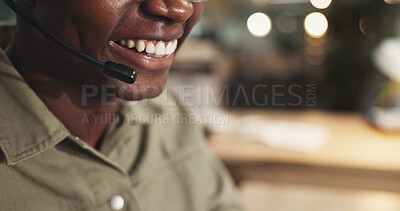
301, 99
270, 42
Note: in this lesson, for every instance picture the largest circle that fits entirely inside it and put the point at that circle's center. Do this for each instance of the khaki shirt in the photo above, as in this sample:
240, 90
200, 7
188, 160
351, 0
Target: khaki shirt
141, 165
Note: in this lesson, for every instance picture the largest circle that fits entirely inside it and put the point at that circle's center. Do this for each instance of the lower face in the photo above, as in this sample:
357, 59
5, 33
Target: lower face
150, 58
118, 31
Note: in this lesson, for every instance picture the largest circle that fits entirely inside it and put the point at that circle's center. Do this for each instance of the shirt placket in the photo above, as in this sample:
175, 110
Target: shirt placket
125, 199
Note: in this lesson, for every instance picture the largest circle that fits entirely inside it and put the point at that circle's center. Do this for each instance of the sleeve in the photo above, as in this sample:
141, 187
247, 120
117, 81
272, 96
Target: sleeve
225, 196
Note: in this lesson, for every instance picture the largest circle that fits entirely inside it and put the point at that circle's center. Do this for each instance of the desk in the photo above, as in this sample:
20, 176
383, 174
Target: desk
356, 157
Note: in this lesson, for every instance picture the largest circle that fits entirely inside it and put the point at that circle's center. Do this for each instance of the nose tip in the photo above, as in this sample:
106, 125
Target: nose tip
177, 11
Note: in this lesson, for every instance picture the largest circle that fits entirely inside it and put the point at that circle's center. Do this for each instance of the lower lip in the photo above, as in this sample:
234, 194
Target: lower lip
139, 61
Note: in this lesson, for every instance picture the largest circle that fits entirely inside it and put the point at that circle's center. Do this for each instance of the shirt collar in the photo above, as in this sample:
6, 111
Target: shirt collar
27, 127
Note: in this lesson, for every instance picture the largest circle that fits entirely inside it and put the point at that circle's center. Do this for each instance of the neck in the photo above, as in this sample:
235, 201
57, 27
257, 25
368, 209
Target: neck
87, 118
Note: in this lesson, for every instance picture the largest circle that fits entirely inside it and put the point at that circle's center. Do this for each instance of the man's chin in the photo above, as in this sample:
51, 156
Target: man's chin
139, 91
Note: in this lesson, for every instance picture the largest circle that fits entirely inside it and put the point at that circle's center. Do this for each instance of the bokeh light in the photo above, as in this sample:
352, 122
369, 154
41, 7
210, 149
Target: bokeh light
367, 27
321, 4
259, 24
392, 1
316, 24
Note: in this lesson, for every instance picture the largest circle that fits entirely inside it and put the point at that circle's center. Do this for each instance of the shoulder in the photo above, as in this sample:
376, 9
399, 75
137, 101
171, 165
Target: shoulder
180, 123
171, 132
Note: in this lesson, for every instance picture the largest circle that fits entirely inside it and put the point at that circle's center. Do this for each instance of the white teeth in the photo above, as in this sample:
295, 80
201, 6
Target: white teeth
160, 49
150, 48
140, 46
130, 44
123, 42
175, 44
169, 49
157, 48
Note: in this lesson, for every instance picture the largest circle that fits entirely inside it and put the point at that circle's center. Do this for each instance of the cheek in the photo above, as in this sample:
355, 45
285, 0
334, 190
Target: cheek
90, 24
191, 22
198, 12
86, 25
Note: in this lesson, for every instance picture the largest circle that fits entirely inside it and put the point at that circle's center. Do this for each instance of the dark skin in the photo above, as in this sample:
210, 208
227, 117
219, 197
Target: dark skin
91, 26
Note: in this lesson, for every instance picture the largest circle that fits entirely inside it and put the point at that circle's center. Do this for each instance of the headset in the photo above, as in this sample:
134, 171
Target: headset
118, 71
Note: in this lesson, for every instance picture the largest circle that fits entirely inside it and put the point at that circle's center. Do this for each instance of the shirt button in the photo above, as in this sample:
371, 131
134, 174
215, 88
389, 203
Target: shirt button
117, 202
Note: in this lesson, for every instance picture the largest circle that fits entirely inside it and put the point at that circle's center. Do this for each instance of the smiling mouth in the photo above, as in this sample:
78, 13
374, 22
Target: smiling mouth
152, 48
151, 56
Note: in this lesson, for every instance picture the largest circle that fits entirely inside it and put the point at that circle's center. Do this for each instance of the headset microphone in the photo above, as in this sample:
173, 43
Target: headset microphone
118, 71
